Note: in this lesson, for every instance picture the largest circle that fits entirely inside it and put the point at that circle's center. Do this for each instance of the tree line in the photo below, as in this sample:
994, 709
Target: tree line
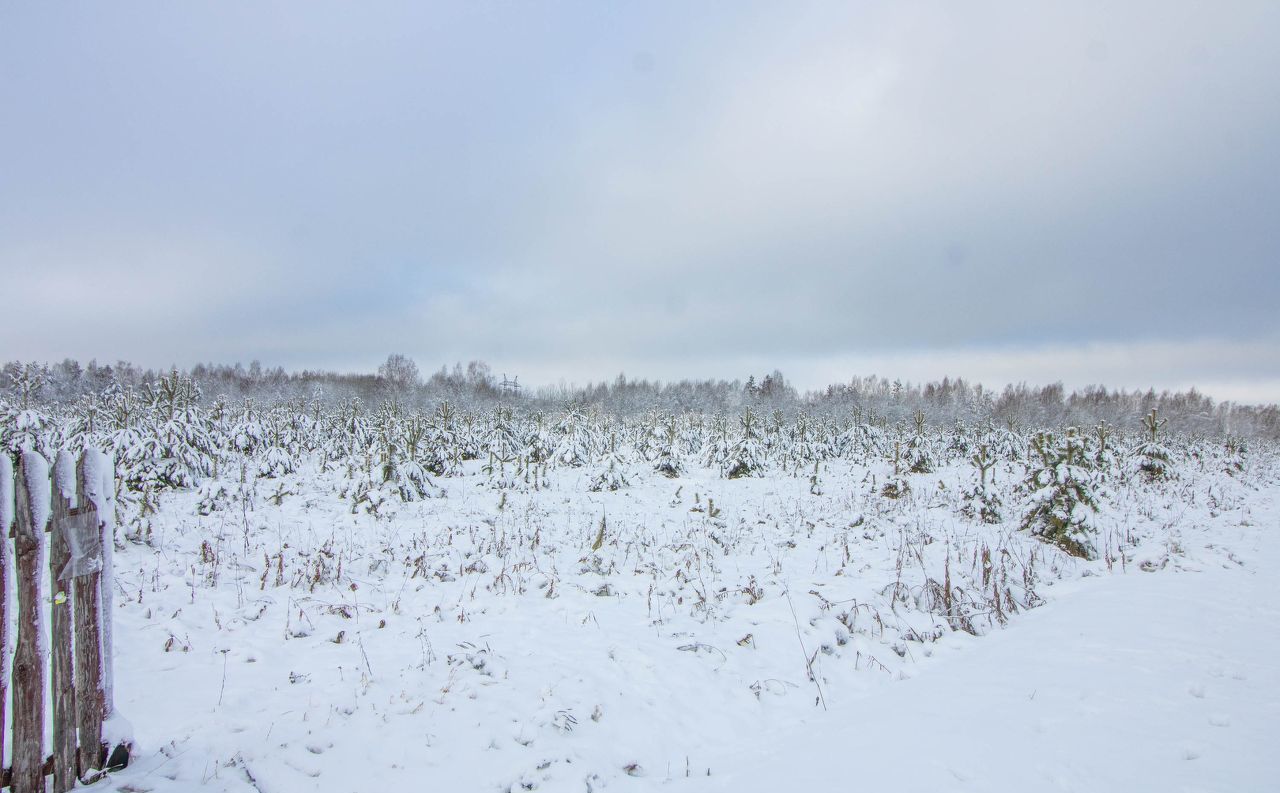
475, 386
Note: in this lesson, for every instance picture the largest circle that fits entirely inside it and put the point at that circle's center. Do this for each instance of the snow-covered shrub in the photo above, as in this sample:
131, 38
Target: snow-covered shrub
1234, 451
1152, 459
667, 461
981, 502
23, 426
746, 456
442, 451
577, 443
539, 444
610, 477
1062, 506
861, 440
275, 462
919, 452
896, 485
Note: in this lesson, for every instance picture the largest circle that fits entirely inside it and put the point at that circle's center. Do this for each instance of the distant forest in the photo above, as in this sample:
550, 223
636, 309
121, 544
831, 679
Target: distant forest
476, 387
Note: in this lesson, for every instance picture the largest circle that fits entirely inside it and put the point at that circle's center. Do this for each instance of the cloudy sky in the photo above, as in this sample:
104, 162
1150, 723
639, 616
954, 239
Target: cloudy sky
1085, 192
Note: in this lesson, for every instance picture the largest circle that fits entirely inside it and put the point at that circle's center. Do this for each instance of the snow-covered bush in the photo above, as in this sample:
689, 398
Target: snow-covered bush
981, 502
610, 476
1062, 506
919, 450
745, 457
1151, 459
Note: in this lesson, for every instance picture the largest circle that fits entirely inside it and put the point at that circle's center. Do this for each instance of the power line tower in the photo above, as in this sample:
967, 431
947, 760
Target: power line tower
510, 387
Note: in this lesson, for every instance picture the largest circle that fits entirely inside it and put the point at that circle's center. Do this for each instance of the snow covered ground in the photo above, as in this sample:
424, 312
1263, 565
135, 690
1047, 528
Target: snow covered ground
698, 633
1164, 682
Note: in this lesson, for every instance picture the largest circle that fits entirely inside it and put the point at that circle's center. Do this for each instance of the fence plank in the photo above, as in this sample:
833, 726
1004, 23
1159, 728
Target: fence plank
90, 696
28, 672
6, 564
63, 496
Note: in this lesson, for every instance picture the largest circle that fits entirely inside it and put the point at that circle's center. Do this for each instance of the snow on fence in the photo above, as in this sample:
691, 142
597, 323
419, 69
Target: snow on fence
60, 668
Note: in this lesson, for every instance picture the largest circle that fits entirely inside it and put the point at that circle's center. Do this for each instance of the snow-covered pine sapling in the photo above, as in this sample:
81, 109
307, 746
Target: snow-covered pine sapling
444, 451
1062, 505
414, 482
746, 458
1103, 456
1152, 459
276, 459
213, 496
577, 443
469, 445
381, 483
896, 487
773, 441
919, 455
715, 444
668, 462
1234, 450
22, 426
980, 502
503, 465
538, 443
610, 476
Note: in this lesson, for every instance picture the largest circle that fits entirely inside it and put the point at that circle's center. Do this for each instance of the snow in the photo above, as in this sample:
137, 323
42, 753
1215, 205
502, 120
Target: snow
1139, 682
36, 469
7, 506
99, 475
481, 641
64, 475
6, 492
38, 490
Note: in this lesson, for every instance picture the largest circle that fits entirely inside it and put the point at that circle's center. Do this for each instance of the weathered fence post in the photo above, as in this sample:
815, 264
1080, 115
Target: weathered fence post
6, 563
63, 493
32, 503
91, 704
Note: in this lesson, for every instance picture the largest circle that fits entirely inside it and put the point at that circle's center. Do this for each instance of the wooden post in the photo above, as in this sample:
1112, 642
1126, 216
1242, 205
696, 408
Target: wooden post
90, 697
6, 564
62, 681
28, 668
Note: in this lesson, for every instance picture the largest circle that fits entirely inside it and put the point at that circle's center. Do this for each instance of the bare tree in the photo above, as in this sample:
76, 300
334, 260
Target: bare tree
400, 373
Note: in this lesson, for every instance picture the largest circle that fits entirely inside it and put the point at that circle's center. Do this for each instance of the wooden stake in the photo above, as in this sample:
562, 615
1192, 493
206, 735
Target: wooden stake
28, 668
90, 697
62, 678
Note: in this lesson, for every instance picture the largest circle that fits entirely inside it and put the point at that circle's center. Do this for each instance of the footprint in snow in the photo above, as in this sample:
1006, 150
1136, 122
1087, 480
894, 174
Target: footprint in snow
303, 769
1220, 720
1196, 690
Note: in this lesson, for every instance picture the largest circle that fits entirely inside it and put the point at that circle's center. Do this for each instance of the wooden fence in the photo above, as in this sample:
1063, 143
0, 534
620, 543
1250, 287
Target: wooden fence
60, 668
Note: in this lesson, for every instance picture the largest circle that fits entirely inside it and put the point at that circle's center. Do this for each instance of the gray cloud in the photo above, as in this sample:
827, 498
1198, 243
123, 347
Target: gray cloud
571, 188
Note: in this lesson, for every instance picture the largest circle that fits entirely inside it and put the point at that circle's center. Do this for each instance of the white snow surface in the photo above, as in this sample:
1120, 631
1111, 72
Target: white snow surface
64, 475
99, 476
6, 560
454, 645
6, 492
40, 497
39, 492
1139, 682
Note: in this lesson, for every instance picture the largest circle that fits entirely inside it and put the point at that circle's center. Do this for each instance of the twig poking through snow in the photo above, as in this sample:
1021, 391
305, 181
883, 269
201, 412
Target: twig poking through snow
808, 661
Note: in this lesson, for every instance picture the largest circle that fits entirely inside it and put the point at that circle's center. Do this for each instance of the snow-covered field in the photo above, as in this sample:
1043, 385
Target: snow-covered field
762, 633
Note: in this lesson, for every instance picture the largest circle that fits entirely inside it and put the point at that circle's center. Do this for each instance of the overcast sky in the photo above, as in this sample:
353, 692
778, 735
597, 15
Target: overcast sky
1085, 192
